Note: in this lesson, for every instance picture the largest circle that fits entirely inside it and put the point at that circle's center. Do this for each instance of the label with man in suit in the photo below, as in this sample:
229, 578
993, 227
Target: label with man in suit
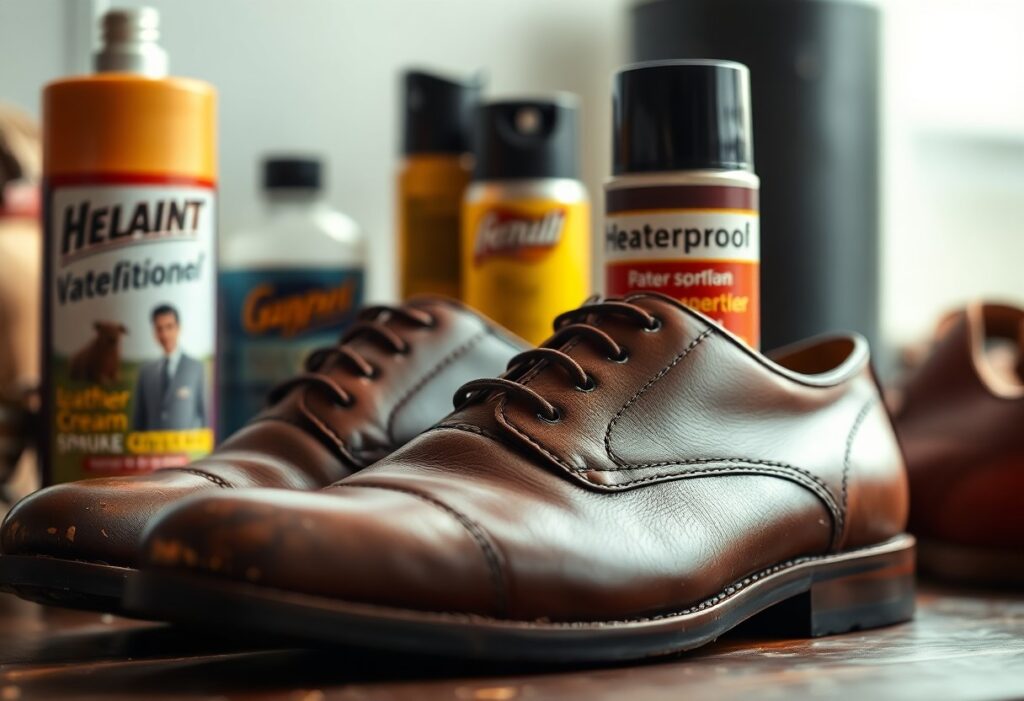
170, 393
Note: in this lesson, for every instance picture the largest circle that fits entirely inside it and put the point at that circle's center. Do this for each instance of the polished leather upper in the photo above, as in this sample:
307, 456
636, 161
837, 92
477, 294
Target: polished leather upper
961, 423
678, 471
323, 427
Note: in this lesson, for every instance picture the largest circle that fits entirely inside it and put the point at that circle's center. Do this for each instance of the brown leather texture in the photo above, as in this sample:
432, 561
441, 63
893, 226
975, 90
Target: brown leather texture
961, 423
391, 378
677, 463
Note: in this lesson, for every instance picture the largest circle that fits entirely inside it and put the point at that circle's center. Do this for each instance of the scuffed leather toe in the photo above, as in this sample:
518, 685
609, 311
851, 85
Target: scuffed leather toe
352, 543
97, 520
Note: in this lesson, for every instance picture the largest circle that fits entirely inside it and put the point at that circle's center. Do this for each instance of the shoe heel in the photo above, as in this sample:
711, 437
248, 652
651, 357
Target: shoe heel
866, 592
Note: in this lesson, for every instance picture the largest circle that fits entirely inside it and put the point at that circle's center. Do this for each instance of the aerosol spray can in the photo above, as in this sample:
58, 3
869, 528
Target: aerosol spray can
681, 209
435, 172
129, 322
526, 217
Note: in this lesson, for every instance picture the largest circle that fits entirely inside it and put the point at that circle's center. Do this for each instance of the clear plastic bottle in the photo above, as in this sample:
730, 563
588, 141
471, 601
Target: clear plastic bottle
287, 286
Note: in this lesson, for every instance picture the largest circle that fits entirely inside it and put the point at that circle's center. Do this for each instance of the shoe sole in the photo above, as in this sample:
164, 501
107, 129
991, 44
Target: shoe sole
866, 588
960, 564
76, 584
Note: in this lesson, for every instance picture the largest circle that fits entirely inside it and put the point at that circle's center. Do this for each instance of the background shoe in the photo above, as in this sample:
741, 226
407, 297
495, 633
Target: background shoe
637, 486
391, 377
961, 424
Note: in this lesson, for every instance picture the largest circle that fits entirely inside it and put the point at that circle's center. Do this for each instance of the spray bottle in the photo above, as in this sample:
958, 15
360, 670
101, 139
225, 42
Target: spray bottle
681, 210
526, 217
434, 174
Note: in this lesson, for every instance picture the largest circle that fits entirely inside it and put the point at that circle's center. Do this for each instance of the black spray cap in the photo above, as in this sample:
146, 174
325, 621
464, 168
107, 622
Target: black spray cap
527, 139
681, 115
438, 112
281, 172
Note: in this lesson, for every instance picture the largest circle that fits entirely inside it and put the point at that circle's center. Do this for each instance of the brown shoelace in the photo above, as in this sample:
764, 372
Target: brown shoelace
371, 323
571, 326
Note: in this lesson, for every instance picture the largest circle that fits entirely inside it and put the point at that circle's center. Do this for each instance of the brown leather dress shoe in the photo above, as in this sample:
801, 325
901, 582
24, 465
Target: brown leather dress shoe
961, 423
391, 377
638, 485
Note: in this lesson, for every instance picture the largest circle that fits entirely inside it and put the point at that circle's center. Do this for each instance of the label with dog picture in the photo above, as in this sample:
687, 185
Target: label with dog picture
272, 318
130, 325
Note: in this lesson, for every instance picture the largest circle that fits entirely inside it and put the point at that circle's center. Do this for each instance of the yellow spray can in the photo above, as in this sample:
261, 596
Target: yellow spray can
526, 235
435, 171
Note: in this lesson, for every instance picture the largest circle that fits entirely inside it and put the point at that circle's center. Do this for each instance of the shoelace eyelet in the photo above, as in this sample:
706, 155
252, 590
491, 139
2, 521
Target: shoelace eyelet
550, 419
430, 322
587, 386
373, 374
654, 326
621, 358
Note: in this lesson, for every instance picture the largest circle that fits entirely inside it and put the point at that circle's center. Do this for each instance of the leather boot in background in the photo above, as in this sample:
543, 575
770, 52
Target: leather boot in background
638, 485
961, 423
391, 377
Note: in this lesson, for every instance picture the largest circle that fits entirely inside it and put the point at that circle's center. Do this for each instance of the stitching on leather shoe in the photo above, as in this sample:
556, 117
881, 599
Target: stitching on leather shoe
469, 428
436, 370
753, 467
489, 550
219, 481
519, 431
660, 374
857, 422
738, 462
726, 592
532, 373
578, 470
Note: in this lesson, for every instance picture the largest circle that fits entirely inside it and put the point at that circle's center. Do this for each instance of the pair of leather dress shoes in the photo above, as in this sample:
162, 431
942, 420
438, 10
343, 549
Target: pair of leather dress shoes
638, 485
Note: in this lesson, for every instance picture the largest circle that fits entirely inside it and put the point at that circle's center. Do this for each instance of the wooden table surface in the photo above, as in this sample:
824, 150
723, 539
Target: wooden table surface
963, 645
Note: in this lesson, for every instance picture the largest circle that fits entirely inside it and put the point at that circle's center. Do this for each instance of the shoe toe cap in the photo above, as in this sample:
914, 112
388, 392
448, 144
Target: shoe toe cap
362, 545
97, 520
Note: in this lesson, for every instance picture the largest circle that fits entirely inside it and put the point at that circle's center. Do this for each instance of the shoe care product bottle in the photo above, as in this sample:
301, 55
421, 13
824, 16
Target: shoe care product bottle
287, 287
681, 209
816, 89
435, 171
526, 217
129, 327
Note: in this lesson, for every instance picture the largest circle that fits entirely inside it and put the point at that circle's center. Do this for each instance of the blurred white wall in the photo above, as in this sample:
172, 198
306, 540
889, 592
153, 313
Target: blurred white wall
953, 199
321, 76
34, 48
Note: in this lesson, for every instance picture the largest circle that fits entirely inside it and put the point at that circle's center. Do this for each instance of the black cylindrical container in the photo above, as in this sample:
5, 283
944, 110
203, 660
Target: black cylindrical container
814, 81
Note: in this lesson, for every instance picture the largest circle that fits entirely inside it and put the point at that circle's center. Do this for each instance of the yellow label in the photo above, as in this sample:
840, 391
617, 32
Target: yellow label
526, 261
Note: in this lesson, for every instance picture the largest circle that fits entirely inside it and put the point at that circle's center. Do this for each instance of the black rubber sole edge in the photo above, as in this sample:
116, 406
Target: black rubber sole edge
866, 588
76, 584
